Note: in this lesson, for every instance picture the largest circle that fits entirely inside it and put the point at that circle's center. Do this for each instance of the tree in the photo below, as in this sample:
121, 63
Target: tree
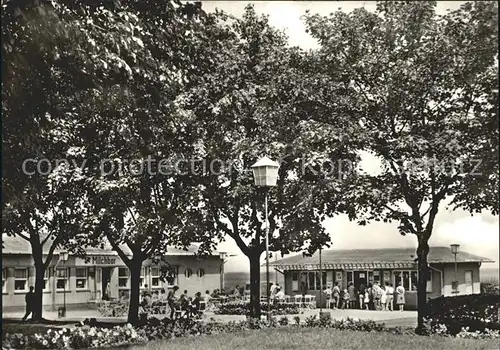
423, 90
134, 136
243, 105
92, 82
42, 203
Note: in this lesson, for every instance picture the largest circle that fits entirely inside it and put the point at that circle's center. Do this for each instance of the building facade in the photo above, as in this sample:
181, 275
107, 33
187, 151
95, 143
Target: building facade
381, 265
102, 273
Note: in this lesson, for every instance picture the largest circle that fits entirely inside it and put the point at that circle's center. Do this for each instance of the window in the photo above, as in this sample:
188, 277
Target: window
123, 275
409, 279
46, 284
62, 279
141, 281
200, 273
295, 281
429, 282
81, 278
155, 276
350, 277
313, 281
413, 280
376, 276
188, 273
387, 276
4, 280
20, 279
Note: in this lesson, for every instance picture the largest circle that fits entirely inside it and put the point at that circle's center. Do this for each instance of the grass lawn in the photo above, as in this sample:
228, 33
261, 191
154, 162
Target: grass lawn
314, 338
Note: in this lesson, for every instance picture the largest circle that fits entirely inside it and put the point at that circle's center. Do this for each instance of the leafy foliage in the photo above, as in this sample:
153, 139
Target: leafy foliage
422, 90
476, 312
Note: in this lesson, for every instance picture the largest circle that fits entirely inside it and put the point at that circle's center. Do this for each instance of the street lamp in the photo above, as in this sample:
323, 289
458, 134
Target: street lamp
454, 251
63, 256
265, 174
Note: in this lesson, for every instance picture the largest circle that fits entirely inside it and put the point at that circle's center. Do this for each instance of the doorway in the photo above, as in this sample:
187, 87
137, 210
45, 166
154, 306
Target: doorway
469, 287
106, 285
360, 278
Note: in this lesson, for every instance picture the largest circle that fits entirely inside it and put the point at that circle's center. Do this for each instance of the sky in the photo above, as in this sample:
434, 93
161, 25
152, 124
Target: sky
478, 234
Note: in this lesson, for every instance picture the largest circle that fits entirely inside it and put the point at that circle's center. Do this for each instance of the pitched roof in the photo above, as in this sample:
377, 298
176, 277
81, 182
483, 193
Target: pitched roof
17, 245
390, 257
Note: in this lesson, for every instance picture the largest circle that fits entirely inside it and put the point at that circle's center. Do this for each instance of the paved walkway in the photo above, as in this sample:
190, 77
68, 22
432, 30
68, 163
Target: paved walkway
390, 318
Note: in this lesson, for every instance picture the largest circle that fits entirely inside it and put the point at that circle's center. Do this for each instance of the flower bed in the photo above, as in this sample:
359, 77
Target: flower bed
75, 338
475, 312
240, 308
87, 336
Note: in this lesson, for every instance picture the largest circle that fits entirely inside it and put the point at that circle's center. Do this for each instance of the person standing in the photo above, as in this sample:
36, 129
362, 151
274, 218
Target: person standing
383, 298
390, 297
377, 295
367, 298
171, 301
400, 298
336, 295
329, 295
361, 296
352, 295
30, 301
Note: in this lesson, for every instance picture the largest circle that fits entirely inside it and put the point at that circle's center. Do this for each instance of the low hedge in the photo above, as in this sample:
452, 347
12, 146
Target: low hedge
244, 309
155, 329
476, 312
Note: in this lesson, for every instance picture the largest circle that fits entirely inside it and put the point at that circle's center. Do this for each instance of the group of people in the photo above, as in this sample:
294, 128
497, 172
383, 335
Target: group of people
277, 294
190, 305
370, 297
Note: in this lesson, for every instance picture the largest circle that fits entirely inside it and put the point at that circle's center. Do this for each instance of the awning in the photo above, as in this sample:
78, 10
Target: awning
347, 266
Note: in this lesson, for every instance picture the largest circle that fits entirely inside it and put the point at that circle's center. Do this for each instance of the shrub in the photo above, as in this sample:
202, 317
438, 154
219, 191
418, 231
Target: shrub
325, 320
486, 334
76, 338
311, 321
478, 312
296, 319
284, 321
490, 288
358, 325
242, 308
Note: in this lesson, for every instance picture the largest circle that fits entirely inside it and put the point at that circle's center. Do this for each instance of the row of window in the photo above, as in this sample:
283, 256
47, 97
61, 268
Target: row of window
81, 273
61, 275
408, 277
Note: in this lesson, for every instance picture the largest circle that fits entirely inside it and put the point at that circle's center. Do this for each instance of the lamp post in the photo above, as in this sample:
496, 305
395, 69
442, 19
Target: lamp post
222, 256
454, 251
265, 174
321, 285
63, 256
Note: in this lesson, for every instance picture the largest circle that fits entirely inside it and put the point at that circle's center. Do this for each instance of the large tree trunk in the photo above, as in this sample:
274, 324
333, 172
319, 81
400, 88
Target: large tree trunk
36, 249
254, 285
422, 252
135, 279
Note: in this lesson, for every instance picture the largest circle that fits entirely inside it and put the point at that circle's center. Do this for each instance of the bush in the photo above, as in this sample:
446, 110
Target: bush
241, 308
476, 312
490, 288
284, 321
76, 338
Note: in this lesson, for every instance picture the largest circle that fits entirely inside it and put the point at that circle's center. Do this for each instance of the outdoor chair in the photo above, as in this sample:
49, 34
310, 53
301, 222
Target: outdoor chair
105, 309
298, 300
312, 302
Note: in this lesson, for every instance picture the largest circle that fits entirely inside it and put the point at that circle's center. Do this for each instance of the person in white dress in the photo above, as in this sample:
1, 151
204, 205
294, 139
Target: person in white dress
400, 296
383, 298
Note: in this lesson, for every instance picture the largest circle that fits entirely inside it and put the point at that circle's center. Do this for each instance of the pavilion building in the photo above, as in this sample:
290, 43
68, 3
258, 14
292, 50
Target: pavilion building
85, 281
363, 266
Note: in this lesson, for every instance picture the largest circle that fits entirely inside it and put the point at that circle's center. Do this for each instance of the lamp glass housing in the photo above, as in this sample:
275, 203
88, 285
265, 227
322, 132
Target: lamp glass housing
455, 248
265, 172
